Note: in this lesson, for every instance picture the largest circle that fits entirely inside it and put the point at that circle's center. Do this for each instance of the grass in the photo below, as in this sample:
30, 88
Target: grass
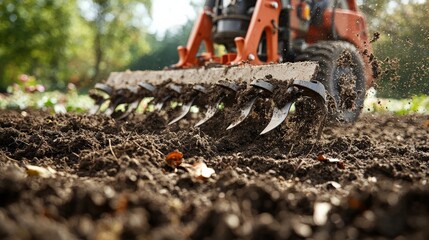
54, 102
71, 101
416, 104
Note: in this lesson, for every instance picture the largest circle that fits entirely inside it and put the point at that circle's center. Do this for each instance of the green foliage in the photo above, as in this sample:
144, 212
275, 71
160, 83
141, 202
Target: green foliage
119, 36
54, 102
61, 41
32, 38
29, 93
416, 104
403, 47
163, 52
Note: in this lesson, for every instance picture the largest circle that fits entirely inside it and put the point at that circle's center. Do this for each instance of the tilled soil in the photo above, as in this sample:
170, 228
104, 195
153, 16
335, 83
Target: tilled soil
108, 179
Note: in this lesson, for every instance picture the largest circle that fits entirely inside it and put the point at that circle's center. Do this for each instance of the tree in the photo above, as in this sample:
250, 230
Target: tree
32, 37
403, 45
58, 41
118, 34
163, 52
404, 50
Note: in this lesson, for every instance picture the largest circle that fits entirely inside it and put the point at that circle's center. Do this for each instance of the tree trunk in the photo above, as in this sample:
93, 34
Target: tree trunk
98, 56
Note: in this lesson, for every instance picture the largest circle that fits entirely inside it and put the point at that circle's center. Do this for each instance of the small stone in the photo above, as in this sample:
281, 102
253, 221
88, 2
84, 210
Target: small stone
302, 230
232, 221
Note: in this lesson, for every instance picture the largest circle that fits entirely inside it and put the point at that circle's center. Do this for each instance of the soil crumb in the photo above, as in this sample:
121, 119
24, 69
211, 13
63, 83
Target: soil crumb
375, 37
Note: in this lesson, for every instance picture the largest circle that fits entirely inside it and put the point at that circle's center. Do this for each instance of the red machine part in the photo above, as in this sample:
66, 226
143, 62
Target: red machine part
349, 26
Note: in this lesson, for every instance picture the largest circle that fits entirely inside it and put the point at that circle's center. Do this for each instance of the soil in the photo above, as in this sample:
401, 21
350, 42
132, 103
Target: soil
108, 179
347, 82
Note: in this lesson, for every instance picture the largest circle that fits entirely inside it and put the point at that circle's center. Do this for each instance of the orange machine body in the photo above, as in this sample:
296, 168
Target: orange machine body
349, 25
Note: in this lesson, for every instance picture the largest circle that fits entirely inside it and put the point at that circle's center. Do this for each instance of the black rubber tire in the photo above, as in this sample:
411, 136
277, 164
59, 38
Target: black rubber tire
335, 73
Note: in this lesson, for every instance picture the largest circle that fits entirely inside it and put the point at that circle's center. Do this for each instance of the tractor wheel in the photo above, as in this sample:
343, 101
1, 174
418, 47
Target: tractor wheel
342, 72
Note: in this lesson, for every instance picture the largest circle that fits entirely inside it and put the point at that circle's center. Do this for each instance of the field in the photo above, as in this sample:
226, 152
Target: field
104, 179
71, 170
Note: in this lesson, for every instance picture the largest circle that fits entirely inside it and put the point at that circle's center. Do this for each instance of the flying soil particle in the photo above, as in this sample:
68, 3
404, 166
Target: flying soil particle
347, 82
375, 37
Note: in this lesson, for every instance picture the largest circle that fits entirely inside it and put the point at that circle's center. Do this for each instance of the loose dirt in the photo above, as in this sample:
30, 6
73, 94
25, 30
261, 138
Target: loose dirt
107, 179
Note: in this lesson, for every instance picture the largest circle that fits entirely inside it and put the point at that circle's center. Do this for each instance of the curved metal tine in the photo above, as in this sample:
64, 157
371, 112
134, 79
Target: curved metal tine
109, 111
131, 108
112, 106
160, 104
279, 115
95, 108
244, 112
184, 110
211, 111
149, 87
97, 105
99, 99
314, 88
104, 88
173, 87
263, 85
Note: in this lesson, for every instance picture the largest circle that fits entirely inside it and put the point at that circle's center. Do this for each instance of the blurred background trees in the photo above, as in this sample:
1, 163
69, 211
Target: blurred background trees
62, 41
81, 41
403, 47
33, 38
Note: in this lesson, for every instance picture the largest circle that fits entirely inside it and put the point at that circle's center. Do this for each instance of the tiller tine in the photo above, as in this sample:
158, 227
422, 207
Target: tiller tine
261, 88
124, 95
148, 87
244, 112
197, 90
130, 109
172, 91
298, 89
227, 88
99, 100
279, 115
146, 90
211, 111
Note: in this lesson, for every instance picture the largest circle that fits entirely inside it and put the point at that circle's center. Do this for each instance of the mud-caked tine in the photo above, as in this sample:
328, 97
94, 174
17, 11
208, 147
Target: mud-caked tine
211, 111
114, 102
226, 89
99, 100
279, 114
144, 90
170, 92
261, 88
120, 96
197, 90
298, 88
244, 112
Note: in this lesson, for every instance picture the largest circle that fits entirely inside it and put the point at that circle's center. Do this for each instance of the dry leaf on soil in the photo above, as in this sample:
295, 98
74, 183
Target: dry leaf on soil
203, 172
39, 171
323, 158
174, 159
341, 165
199, 170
